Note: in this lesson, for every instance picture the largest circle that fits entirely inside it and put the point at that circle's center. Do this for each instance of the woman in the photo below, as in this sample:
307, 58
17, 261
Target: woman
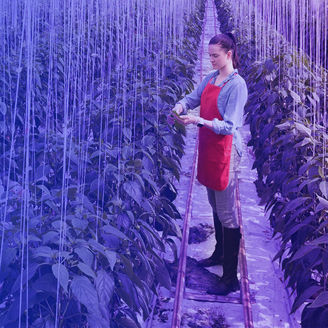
222, 96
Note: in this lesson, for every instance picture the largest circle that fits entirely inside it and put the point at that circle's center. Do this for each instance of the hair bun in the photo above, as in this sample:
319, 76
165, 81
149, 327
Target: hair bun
231, 36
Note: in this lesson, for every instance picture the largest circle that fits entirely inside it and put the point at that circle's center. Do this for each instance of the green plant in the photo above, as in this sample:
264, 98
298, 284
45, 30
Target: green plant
291, 162
86, 186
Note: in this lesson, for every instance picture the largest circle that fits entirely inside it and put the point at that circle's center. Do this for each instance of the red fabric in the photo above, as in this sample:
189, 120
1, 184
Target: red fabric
214, 150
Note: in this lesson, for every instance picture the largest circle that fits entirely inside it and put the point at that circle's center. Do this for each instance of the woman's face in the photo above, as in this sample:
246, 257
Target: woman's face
218, 56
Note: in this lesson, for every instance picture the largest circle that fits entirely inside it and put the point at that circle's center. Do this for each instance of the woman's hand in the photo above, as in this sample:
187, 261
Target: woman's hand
189, 119
174, 114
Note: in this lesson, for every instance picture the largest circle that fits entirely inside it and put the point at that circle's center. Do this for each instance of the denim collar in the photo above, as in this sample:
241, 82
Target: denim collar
228, 78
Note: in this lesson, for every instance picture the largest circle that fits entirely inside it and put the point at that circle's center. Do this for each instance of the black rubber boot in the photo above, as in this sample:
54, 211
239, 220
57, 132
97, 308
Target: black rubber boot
229, 281
217, 257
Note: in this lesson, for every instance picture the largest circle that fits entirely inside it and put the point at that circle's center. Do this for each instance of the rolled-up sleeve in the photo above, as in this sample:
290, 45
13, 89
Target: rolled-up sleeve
192, 100
234, 110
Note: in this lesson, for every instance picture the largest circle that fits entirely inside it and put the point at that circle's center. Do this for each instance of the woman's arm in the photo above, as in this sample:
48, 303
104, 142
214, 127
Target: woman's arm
192, 100
192, 119
233, 115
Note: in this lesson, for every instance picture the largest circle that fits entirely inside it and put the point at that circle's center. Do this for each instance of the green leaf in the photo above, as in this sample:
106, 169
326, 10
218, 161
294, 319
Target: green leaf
128, 292
303, 129
49, 323
46, 283
127, 133
134, 190
127, 323
85, 293
169, 140
97, 246
295, 96
176, 229
304, 142
3, 108
85, 255
162, 275
45, 322
96, 321
312, 101
104, 286
44, 189
61, 274
293, 204
26, 301
79, 224
86, 269
173, 246
148, 207
309, 292
95, 154
302, 251
52, 205
320, 301
8, 257
321, 172
324, 188
42, 172
114, 231
323, 204
315, 96
126, 152
58, 224
71, 193
284, 126
140, 180
87, 204
50, 237
27, 275
320, 240
283, 92
44, 251
148, 140
32, 237
128, 268
147, 176
110, 168
111, 257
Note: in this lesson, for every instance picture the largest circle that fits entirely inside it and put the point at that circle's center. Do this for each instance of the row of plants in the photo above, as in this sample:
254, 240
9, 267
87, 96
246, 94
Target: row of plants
89, 254
291, 162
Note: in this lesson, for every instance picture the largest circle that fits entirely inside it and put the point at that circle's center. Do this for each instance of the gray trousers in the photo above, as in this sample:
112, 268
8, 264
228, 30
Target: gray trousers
224, 202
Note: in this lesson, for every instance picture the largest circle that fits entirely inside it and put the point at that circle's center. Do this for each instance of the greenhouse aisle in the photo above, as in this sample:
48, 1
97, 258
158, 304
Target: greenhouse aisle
271, 304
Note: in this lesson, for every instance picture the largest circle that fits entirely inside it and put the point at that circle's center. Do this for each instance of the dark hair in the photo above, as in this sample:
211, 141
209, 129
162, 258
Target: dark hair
228, 42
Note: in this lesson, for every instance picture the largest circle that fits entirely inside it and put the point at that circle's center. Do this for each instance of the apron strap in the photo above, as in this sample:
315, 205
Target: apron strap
225, 82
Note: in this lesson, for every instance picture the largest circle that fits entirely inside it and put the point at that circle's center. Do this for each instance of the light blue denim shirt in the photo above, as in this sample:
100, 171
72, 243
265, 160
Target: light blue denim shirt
231, 102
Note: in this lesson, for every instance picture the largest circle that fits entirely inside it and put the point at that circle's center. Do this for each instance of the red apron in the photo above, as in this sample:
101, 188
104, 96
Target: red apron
214, 150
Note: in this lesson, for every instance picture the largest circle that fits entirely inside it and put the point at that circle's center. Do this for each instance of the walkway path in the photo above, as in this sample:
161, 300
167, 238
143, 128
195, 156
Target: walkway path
272, 305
